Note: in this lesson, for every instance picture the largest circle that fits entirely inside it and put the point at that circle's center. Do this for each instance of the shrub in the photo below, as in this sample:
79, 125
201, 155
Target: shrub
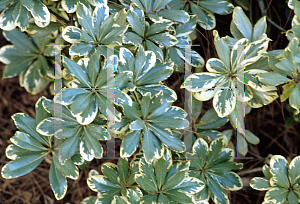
168, 154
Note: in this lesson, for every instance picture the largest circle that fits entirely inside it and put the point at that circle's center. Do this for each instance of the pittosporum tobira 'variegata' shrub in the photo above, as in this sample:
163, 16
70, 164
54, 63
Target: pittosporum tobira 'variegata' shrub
148, 40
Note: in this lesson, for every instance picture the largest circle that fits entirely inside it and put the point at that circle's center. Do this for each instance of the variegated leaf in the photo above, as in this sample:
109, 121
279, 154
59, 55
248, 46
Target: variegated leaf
242, 22
260, 184
224, 101
164, 39
201, 81
58, 182
205, 18
276, 195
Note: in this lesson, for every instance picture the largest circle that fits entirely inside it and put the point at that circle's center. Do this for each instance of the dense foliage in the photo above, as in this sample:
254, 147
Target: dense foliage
168, 154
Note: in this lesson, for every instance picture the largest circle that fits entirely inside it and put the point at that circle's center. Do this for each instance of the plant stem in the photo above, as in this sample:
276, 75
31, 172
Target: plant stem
258, 169
59, 18
263, 12
137, 97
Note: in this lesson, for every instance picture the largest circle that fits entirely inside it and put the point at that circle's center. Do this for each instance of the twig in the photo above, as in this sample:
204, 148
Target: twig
59, 18
263, 12
258, 169
177, 82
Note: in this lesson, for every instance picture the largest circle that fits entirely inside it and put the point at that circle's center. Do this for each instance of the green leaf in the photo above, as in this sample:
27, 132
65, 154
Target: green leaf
68, 169
260, 184
119, 200
24, 141
259, 28
110, 170
173, 180
254, 50
266, 172
32, 81
132, 38
224, 101
167, 137
20, 40
89, 200
148, 145
150, 198
223, 51
38, 10
280, 178
278, 161
173, 123
200, 150
133, 195
85, 19
164, 39
131, 110
242, 22
5, 3
100, 13
27, 124
155, 74
229, 181
210, 120
178, 15
76, 70
84, 108
216, 66
162, 199
178, 197
237, 53
251, 138
158, 4
160, 167
14, 152
89, 144
294, 99
106, 197
123, 169
152, 47
39, 32
22, 165
292, 198
58, 182
178, 166
189, 185
205, 18
276, 195
215, 149
287, 90
101, 183
135, 22
80, 49
294, 170
201, 81
217, 193
6, 19
225, 166
146, 183
73, 34
10, 55
219, 7
273, 78
158, 27
130, 143
41, 112
22, 18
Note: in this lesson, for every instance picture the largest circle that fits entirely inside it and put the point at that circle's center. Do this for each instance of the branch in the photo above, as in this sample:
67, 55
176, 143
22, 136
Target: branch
59, 18
263, 12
